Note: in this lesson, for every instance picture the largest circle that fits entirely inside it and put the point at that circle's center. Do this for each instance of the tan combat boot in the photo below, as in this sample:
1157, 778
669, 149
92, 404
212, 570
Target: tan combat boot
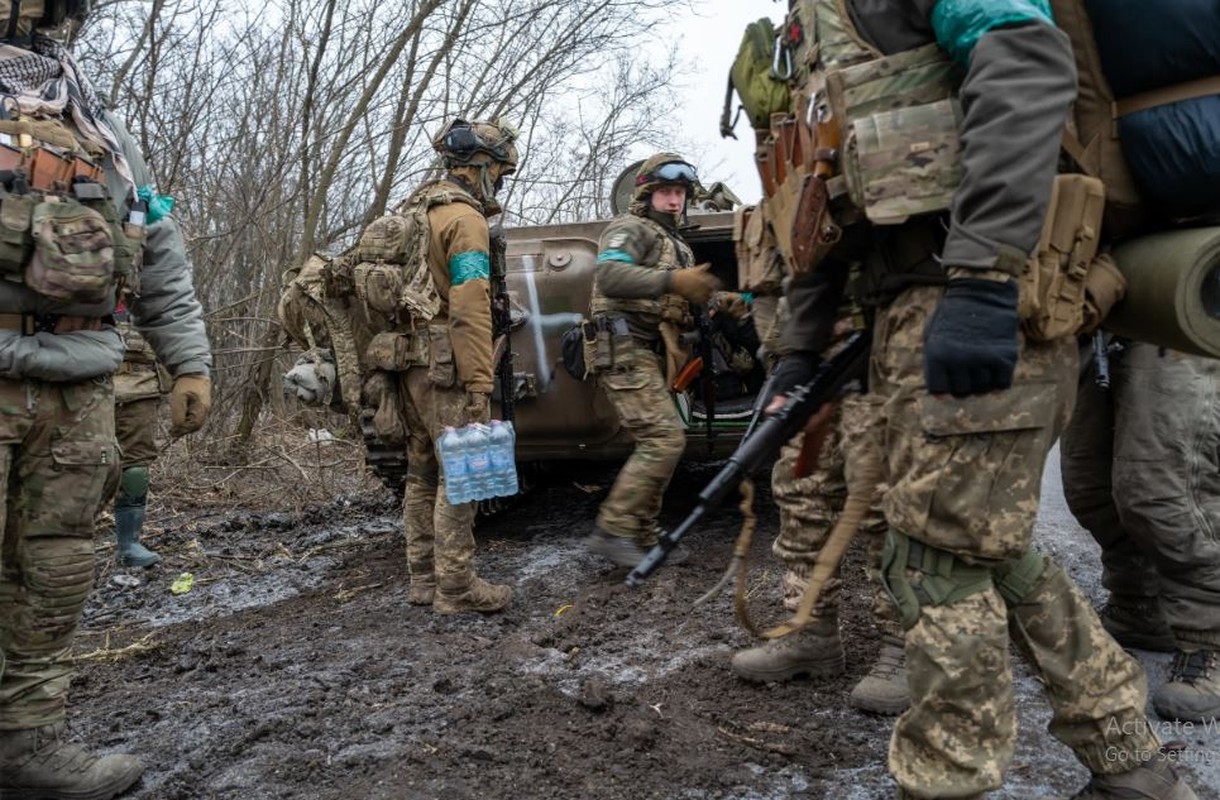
457, 595
1151, 780
422, 591
884, 689
814, 651
1192, 693
37, 763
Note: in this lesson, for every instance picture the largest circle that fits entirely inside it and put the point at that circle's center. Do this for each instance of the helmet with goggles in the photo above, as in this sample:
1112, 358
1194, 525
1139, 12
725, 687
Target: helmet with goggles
464, 143
665, 169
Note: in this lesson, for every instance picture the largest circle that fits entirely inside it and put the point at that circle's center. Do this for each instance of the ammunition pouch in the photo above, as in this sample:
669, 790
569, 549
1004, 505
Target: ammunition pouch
1054, 286
442, 369
916, 575
600, 338
899, 121
381, 391
759, 267
676, 309
396, 352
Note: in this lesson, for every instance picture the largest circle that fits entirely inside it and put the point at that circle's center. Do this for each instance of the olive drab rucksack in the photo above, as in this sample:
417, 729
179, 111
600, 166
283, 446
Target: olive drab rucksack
388, 268
759, 76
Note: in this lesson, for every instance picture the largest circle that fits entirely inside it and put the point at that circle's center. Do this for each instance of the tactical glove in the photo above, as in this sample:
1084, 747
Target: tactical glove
189, 403
478, 407
970, 346
790, 372
696, 284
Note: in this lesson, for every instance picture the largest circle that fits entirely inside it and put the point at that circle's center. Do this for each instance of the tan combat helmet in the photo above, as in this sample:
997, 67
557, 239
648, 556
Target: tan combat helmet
663, 169
20, 18
481, 153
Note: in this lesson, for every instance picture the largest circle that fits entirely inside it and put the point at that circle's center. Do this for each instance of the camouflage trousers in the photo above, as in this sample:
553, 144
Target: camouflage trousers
135, 425
58, 464
637, 390
440, 535
964, 478
809, 508
1141, 471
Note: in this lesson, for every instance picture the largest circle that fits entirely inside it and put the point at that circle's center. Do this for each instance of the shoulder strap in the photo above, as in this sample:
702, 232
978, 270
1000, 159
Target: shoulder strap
1203, 87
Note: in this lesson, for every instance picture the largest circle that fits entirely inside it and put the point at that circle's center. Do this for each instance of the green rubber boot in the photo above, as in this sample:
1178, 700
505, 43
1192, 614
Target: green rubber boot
128, 524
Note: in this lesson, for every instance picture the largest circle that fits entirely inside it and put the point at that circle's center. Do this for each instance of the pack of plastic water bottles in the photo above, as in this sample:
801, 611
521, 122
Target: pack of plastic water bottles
479, 461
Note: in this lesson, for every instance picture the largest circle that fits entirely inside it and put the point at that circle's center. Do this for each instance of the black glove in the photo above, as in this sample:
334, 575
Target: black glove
970, 346
790, 371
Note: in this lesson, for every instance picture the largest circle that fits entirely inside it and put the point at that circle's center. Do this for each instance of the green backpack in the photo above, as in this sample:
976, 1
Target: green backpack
754, 76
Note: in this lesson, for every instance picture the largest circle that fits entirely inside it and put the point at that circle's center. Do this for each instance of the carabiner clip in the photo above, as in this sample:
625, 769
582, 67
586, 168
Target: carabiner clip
782, 56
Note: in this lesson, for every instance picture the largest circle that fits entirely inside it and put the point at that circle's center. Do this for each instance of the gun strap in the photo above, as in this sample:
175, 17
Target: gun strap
741, 551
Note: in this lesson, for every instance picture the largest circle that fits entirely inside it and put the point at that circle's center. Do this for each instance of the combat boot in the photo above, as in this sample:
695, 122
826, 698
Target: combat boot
1151, 780
37, 763
884, 689
469, 593
814, 651
1138, 623
1192, 693
422, 591
128, 524
619, 549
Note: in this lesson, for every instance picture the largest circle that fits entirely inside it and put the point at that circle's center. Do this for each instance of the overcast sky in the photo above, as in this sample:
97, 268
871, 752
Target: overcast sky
708, 42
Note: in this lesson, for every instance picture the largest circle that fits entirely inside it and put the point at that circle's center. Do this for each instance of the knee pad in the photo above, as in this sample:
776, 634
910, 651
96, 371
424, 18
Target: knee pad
57, 578
915, 575
1016, 578
133, 487
423, 474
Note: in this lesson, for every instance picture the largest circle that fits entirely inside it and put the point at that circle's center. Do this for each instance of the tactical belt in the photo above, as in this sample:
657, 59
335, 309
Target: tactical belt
31, 322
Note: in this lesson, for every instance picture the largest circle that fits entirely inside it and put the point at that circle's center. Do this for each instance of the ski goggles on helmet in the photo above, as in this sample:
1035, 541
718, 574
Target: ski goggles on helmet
672, 172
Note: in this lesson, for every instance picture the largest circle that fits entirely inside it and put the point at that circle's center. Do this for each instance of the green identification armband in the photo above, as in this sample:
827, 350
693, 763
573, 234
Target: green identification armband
469, 266
159, 205
959, 24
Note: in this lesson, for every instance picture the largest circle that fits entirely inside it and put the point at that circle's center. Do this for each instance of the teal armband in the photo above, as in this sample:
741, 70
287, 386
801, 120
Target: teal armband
621, 256
159, 205
959, 24
469, 266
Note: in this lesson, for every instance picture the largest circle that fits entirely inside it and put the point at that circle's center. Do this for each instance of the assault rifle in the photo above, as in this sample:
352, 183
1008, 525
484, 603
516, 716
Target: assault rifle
707, 378
771, 434
502, 324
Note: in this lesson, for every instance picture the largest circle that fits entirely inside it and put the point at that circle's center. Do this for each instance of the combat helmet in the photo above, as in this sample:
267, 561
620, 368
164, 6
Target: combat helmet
20, 18
481, 152
663, 169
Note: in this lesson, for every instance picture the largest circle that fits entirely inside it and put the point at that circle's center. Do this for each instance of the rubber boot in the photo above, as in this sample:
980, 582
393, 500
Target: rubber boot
1155, 779
814, 651
37, 763
1138, 623
884, 689
1192, 693
128, 524
469, 593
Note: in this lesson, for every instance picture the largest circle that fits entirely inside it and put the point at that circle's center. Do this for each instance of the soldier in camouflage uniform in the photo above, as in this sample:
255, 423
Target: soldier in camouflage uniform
808, 510
58, 350
138, 387
970, 405
645, 278
1141, 471
453, 386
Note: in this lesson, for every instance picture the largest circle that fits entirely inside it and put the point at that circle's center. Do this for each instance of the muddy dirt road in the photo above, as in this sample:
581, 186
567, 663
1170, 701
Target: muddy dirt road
295, 669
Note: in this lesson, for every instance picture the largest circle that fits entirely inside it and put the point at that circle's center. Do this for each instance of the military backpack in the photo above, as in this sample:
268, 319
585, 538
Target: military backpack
757, 78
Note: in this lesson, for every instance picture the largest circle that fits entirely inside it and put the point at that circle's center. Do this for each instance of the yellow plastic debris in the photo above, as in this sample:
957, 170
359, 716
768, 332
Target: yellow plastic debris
182, 584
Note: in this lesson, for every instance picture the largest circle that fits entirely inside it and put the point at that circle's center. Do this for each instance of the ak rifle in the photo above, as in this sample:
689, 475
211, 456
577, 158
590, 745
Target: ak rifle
501, 324
764, 443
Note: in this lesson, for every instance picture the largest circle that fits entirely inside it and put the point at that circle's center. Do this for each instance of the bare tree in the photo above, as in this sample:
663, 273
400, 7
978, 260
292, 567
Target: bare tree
285, 129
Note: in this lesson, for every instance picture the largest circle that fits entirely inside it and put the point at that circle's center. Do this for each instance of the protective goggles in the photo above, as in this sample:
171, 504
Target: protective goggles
673, 172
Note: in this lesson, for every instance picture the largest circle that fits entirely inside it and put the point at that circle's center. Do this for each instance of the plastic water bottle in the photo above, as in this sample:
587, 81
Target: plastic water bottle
452, 450
504, 458
478, 461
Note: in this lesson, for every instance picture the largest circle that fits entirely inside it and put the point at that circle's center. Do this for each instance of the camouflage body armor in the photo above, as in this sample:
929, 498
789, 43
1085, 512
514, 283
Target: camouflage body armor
644, 315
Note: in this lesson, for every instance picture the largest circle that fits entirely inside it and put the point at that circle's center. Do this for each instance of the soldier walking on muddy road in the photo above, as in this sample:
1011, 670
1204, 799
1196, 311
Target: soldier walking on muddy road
645, 281
450, 384
1141, 472
58, 350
